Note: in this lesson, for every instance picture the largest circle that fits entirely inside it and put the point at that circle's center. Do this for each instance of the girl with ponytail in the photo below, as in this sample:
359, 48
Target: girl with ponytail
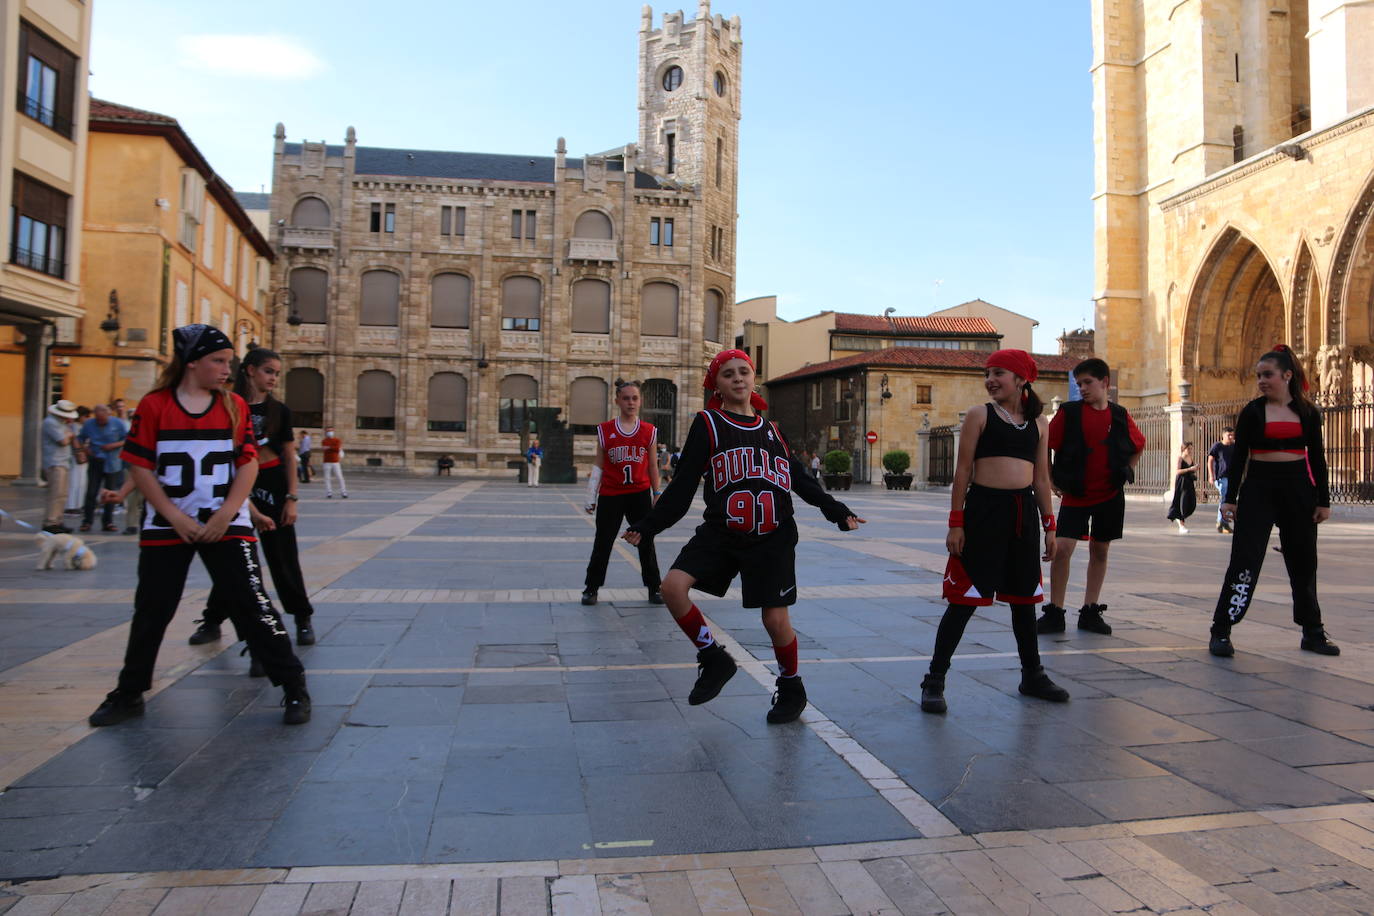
1281, 457
192, 455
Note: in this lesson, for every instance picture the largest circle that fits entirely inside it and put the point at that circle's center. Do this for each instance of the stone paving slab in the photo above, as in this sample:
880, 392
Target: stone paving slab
468, 709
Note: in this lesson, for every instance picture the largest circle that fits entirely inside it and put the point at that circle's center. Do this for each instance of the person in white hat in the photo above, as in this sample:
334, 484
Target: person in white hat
57, 455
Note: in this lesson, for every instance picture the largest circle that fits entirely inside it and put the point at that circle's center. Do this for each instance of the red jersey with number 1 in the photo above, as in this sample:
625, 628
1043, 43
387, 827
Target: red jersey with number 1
626, 467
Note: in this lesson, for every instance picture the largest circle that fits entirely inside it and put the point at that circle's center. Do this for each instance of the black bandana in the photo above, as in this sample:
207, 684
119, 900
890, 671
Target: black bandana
196, 340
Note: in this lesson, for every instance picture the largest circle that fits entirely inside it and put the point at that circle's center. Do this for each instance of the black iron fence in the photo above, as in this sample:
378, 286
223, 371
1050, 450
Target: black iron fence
1348, 433
941, 472
1154, 473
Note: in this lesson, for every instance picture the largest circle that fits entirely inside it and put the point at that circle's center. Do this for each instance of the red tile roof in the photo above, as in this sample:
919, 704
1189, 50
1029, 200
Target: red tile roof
102, 110
920, 358
912, 324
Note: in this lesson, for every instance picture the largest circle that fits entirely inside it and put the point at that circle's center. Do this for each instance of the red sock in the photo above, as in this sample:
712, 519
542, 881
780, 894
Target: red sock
694, 625
787, 658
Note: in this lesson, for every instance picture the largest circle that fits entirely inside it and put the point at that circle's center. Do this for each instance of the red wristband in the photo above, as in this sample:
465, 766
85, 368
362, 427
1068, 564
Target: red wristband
1048, 521
956, 518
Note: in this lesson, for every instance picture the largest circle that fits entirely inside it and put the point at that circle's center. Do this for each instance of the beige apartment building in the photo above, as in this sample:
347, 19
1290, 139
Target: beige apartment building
1234, 193
425, 301
45, 47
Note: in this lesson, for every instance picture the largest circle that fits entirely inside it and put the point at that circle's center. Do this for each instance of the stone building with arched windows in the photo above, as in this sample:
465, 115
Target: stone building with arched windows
425, 301
1234, 203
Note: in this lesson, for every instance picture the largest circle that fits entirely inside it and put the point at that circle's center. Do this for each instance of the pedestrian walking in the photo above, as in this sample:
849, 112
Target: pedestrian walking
1096, 446
1218, 463
272, 505
57, 436
1281, 457
665, 469
748, 528
623, 485
332, 463
192, 454
999, 501
303, 449
816, 465
102, 436
1185, 488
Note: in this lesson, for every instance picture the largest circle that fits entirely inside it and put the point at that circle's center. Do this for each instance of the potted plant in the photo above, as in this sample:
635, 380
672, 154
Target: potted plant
836, 465
895, 463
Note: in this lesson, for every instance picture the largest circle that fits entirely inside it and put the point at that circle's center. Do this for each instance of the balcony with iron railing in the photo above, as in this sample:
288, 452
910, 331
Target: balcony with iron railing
37, 260
46, 116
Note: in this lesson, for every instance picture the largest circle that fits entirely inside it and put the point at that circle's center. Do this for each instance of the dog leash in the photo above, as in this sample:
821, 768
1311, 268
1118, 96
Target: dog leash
47, 534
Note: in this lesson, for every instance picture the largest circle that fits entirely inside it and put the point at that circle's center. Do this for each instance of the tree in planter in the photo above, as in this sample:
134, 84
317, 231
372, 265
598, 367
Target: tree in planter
896, 461
836, 465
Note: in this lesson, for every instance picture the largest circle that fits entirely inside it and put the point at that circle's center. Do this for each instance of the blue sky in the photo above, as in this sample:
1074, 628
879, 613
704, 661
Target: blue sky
884, 146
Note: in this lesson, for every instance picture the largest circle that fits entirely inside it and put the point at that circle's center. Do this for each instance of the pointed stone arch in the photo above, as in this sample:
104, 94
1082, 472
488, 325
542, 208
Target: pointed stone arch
1304, 317
1235, 312
1350, 289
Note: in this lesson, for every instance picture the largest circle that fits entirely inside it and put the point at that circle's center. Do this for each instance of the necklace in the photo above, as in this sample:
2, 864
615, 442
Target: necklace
1006, 416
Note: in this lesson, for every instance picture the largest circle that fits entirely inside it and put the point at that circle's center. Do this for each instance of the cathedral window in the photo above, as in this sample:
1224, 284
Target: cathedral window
672, 78
720, 83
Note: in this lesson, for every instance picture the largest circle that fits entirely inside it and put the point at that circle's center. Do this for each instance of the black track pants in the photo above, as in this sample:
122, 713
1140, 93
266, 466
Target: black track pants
1274, 493
957, 617
279, 547
611, 510
234, 569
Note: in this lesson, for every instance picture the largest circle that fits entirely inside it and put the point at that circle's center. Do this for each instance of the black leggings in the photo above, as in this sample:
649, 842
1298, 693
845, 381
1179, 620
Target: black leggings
957, 617
611, 510
1274, 492
280, 549
234, 569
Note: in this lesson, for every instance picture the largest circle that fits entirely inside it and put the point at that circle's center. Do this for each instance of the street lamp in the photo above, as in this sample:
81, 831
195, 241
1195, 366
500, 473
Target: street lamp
882, 400
245, 328
286, 298
111, 326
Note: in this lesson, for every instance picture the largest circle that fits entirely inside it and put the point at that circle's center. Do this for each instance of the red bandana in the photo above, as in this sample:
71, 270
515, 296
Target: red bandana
709, 383
1018, 361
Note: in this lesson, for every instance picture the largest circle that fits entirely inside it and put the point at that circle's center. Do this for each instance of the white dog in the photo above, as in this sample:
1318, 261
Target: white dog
71, 552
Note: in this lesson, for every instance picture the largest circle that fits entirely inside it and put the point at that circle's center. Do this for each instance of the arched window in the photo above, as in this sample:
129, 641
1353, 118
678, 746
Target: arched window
593, 224
310, 212
305, 397
591, 307
381, 299
518, 394
450, 301
659, 407
376, 400
310, 294
715, 305
520, 303
590, 404
658, 310
448, 403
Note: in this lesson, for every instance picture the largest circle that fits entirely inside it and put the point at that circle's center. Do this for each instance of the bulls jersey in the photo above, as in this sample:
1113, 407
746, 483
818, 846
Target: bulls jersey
626, 467
194, 457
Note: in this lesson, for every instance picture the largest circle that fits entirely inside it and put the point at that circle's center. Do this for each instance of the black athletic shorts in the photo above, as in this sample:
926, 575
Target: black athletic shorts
1102, 521
1001, 559
766, 566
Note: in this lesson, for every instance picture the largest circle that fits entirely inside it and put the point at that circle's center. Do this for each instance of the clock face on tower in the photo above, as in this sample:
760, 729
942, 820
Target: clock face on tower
672, 78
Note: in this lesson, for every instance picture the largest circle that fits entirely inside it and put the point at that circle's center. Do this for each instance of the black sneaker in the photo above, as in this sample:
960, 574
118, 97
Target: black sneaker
1316, 641
305, 633
714, 668
131, 530
206, 632
1220, 646
1051, 620
116, 707
255, 669
655, 596
296, 699
589, 596
788, 701
1038, 684
1090, 619
57, 529
933, 693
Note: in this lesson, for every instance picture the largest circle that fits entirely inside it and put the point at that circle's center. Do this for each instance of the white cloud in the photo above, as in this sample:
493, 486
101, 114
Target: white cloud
274, 57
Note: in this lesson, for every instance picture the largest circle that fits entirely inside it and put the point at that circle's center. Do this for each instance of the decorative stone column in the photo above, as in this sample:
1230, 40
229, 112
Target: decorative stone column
922, 481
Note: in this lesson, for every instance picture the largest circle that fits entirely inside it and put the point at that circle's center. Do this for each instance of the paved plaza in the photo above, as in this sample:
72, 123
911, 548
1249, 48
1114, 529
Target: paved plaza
483, 743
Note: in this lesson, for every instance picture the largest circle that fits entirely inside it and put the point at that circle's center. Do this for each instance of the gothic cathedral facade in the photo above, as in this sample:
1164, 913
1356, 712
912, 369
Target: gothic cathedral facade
425, 301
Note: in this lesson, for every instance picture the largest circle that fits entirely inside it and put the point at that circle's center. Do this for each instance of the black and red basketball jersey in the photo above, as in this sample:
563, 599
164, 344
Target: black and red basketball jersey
626, 468
194, 457
748, 474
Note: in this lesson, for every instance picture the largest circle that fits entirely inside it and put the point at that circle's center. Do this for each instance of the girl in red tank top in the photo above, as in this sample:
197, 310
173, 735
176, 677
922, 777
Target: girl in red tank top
623, 485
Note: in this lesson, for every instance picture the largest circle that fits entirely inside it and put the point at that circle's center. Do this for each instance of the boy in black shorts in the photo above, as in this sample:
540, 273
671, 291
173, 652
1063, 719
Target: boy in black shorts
747, 529
1096, 446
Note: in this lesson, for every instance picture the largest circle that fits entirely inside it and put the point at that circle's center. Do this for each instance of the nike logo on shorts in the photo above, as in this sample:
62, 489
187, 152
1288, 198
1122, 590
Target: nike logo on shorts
783, 593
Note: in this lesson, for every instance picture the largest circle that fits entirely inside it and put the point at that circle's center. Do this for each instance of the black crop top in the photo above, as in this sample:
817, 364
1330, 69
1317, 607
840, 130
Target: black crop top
1002, 440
